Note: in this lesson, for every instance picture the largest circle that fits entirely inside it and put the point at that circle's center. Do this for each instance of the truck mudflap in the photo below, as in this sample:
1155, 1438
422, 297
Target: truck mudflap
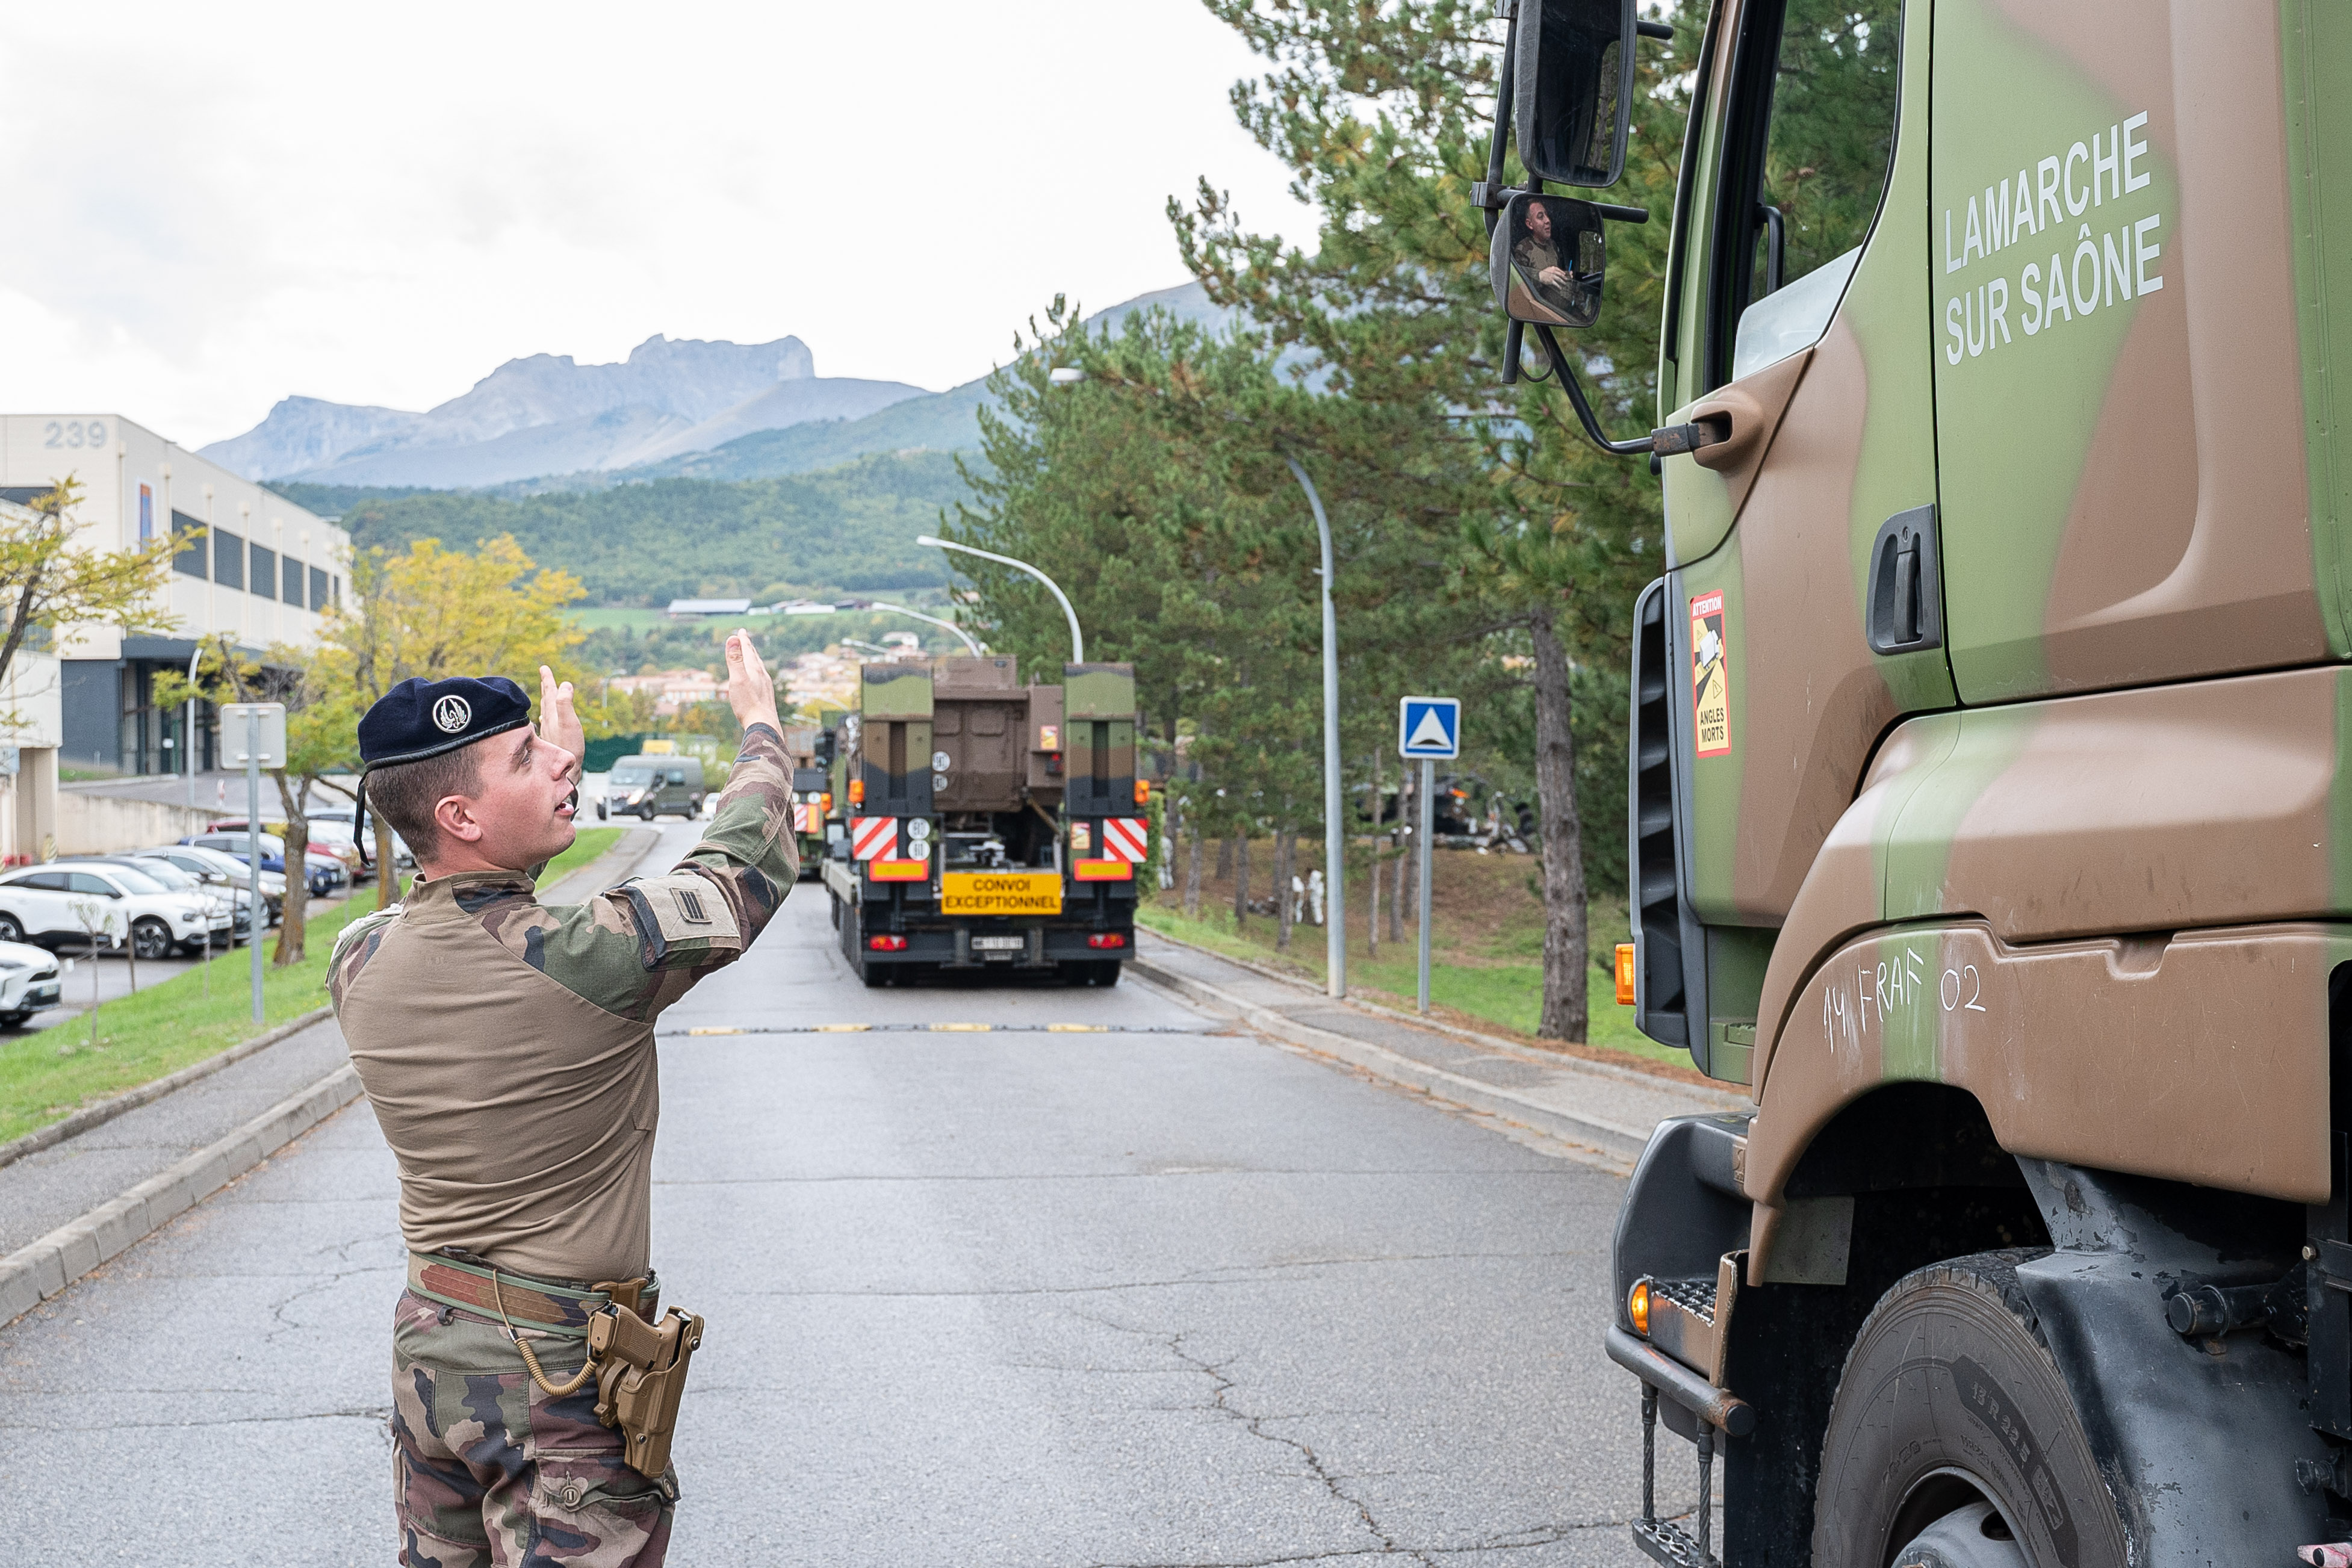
2205, 1438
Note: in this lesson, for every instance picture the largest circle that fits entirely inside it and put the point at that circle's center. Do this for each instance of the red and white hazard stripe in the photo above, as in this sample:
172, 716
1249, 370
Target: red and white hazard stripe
873, 838
803, 819
1126, 838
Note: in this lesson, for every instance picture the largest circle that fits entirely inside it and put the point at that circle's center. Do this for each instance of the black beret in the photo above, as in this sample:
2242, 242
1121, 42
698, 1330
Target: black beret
420, 718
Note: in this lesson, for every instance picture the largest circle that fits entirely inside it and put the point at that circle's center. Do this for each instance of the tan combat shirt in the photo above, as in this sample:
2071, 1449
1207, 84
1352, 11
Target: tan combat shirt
508, 1046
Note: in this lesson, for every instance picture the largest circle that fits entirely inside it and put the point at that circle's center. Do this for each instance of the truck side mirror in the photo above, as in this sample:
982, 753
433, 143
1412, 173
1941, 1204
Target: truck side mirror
1548, 257
1572, 99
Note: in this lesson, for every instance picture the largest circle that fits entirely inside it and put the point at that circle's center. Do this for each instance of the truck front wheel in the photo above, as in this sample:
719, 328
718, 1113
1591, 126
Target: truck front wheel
1951, 1400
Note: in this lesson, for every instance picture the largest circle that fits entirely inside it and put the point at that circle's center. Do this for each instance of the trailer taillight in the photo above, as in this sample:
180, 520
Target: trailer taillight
887, 944
1624, 973
1106, 939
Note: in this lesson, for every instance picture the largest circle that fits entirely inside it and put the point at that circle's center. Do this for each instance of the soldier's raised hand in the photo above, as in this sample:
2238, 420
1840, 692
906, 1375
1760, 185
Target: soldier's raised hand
750, 692
559, 721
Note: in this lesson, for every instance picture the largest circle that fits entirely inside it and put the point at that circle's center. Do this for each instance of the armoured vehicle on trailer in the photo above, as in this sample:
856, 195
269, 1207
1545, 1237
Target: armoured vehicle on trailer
1990, 812
986, 824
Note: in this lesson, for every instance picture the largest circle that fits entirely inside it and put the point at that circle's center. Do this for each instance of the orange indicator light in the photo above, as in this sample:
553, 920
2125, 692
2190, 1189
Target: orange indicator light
1624, 973
1637, 1307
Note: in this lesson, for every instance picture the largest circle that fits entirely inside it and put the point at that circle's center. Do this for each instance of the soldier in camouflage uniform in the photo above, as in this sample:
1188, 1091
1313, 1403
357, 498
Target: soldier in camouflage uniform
507, 1050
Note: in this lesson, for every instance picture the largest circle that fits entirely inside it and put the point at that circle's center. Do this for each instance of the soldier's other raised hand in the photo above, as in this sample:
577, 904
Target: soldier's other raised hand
750, 692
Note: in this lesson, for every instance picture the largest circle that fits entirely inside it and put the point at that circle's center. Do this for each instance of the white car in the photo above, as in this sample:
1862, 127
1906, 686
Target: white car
222, 912
28, 981
71, 905
217, 869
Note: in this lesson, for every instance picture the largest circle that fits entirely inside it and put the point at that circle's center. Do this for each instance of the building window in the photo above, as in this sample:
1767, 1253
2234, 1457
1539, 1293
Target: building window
337, 584
228, 558
317, 589
265, 572
146, 517
190, 532
294, 583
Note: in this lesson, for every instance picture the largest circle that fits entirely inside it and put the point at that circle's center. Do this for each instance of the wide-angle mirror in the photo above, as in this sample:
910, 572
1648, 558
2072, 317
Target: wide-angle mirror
1573, 88
1548, 257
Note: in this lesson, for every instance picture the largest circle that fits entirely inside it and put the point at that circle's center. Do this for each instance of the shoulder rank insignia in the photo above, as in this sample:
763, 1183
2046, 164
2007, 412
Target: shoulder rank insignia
681, 918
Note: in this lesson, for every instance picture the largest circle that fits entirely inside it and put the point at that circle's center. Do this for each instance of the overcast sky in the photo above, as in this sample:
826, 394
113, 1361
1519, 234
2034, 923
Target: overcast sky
218, 206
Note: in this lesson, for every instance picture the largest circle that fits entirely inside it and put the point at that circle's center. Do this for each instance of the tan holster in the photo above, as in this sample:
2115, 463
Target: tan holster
640, 1375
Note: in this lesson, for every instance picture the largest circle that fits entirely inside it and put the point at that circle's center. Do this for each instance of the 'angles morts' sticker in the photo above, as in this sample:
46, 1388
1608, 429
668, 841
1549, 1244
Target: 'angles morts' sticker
1710, 677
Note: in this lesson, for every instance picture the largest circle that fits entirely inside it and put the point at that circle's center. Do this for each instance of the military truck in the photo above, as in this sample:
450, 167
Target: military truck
986, 824
810, 749
1989, 810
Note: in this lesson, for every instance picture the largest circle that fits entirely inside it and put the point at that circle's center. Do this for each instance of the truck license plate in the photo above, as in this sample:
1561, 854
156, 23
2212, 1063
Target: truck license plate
999, 944
1001, 893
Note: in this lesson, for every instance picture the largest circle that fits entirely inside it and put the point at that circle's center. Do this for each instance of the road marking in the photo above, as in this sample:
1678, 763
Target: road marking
959, 1029
728, 1030
1077, 1029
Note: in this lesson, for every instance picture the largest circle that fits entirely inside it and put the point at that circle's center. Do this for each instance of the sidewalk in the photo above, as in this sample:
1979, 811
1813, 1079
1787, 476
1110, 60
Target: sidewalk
1594, 1111
217, 1127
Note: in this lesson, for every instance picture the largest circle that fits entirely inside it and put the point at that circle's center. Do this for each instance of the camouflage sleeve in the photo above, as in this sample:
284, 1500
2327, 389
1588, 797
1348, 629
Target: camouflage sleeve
640, 946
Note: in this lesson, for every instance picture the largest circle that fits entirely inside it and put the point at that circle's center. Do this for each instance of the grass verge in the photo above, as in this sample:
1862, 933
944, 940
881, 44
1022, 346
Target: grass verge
168, 1026
1486, 938
592, 843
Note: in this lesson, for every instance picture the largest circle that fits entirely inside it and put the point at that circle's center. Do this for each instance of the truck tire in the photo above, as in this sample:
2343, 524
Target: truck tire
1106, 972
1950, 1398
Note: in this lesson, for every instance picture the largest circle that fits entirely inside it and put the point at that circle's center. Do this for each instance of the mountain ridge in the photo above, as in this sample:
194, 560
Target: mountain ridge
674, 408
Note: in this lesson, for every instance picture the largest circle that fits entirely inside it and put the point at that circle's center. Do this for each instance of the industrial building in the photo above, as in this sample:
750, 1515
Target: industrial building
253, 567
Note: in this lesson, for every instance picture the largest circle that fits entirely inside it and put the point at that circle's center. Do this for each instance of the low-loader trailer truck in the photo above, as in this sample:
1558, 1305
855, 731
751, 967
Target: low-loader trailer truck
1991, 804
986, 825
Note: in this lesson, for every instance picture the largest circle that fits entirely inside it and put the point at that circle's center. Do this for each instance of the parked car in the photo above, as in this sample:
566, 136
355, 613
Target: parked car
219, 870
28, 981
650, 786
335, 824
51, 906
220, 911
339, 861
321, 876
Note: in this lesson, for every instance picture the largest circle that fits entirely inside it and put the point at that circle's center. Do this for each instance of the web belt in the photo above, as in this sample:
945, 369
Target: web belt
539, 1304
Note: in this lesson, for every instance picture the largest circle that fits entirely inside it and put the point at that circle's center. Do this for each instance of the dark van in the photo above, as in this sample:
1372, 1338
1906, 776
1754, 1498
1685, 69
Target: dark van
650, 786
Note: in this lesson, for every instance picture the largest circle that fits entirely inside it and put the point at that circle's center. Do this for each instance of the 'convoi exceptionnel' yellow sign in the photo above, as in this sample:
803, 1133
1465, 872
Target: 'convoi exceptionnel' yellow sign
1001, 893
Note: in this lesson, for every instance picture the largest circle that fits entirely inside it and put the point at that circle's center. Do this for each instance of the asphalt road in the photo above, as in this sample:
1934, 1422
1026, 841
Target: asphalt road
1159, 1294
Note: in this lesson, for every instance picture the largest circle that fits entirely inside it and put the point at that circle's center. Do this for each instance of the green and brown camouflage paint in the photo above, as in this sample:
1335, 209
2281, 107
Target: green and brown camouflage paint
2088, 804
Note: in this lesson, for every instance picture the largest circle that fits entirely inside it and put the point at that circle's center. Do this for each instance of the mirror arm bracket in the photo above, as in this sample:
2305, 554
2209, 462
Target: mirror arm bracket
1662, 31
1669, 442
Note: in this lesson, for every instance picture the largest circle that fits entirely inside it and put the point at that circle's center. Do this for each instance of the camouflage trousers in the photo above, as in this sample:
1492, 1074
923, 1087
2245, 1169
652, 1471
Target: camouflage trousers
491, 1471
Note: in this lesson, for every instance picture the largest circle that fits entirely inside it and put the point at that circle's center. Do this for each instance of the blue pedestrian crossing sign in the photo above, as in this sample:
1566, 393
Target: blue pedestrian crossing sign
1430, 727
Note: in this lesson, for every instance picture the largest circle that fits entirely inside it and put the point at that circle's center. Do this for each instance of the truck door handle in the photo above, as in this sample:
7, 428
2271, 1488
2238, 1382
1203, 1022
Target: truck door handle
1905, 611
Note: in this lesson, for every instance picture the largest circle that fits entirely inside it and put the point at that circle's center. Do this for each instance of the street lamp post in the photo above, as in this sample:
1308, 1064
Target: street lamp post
1335, 837
188, 740
1078, 638
977, 651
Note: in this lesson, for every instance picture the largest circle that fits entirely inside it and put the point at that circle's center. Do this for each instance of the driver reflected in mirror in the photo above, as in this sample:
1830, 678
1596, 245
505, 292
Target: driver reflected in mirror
1555, 263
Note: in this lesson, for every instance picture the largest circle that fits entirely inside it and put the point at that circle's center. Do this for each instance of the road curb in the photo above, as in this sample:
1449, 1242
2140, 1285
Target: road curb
1626, 1071
106, 1111
1589, 1138
42, 1269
